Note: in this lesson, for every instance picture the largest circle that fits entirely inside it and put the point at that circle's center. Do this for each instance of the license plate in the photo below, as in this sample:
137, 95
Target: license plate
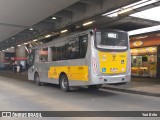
114, 69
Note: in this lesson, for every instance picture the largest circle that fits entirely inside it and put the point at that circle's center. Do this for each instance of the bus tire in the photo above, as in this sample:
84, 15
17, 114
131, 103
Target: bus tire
37, 79
96, 87
64, 84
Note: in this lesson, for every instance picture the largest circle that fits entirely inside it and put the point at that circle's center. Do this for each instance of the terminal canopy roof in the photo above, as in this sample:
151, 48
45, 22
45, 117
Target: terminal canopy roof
26, 20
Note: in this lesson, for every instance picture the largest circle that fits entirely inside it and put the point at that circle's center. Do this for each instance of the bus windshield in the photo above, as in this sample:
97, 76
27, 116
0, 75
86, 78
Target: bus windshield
112, 40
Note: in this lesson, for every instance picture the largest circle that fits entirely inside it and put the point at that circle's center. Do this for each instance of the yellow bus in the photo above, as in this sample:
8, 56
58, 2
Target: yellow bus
88, 58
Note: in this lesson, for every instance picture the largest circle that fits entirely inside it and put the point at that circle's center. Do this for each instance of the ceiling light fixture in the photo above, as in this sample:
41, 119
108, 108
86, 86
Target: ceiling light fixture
25, 43
35, 40
88, 23
124, 11
19, 45
31, 29
54, 18
12, 47
47, 36
63, 31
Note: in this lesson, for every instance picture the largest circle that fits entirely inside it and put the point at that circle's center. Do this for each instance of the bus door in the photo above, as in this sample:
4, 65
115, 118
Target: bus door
30, 64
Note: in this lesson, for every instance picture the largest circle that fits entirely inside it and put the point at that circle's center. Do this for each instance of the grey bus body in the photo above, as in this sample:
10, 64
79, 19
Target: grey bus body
41, 68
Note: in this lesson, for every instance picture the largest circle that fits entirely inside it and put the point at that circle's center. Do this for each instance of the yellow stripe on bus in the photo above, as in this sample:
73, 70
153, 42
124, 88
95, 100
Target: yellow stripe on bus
72, 72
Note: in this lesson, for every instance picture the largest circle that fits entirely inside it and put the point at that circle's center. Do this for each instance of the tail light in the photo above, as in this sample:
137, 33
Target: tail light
94, 63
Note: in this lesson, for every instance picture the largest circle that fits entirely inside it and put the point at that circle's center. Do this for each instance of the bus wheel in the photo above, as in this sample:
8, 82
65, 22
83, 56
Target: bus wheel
64, 83
94, 86
37, 79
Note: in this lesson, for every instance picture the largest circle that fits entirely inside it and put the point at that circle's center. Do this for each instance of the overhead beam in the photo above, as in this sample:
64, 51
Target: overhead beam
78, 7
64, 14
91, 1
156, 4
83, 10
13, 25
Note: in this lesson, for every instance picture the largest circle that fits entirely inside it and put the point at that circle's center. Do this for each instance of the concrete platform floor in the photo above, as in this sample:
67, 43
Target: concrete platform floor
142, 85
18, 94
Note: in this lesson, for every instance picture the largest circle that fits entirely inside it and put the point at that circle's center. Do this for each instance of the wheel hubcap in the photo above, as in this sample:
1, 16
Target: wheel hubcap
64, 83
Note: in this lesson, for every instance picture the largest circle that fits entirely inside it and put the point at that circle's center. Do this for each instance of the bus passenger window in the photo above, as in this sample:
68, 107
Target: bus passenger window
63, 52
83, 41
53, 53
72, 50
58, 55
59, 51
43, 55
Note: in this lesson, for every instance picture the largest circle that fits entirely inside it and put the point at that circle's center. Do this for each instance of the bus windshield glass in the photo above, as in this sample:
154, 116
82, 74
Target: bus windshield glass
112, 40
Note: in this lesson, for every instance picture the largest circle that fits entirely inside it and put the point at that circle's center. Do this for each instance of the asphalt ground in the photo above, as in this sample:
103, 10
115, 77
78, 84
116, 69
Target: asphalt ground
141, 86
19, 94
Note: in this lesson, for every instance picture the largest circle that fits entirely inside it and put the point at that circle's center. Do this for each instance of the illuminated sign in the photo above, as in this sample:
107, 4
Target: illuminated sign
144, 51
138, 43
112, 35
